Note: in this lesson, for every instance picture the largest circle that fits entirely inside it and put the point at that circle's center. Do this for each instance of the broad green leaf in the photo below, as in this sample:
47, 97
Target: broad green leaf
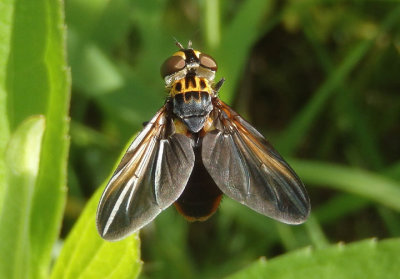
34, 79
367, 259
22, 155
22, 160
86, 255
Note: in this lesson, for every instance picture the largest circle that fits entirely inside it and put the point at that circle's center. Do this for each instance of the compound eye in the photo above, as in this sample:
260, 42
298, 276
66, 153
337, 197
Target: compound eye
172, 65
208, 62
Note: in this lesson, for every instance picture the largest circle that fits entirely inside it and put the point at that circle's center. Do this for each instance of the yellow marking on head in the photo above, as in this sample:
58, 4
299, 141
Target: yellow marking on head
180, 53
197, 53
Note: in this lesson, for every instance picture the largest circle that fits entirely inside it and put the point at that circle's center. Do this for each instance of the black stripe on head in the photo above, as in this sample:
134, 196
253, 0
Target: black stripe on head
190, 56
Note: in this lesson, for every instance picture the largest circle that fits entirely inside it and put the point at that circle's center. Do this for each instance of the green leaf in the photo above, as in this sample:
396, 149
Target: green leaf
86, 255
366, 184
34, 79
22, 160
364, 259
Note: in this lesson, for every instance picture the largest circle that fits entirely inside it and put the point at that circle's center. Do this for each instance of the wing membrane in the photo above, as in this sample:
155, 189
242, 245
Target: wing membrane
248, 169
151, 176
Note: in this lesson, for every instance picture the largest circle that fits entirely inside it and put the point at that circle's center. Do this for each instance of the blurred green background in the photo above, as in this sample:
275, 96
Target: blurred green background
320, 79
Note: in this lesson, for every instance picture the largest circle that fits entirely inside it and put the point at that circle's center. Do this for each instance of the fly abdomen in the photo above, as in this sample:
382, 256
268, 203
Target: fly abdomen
193, 108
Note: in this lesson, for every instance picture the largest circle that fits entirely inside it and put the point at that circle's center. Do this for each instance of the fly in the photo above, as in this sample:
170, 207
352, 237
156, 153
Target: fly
194, 150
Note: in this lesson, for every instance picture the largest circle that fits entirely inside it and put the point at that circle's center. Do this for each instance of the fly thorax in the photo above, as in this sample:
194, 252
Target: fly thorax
192, 101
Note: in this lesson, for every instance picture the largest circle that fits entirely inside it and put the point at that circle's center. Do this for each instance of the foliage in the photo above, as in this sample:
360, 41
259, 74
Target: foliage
318, 78
332, 262
34, 144
86, 255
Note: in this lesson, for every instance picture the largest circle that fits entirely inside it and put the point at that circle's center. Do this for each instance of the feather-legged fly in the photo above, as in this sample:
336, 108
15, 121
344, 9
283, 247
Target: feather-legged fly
193, 150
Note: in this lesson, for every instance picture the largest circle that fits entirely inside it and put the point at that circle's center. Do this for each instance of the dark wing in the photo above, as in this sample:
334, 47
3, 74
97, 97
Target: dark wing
249, 170
151, 176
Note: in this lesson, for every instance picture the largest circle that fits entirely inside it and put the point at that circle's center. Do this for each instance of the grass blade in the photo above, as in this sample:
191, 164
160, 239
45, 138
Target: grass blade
303, 121
365, 184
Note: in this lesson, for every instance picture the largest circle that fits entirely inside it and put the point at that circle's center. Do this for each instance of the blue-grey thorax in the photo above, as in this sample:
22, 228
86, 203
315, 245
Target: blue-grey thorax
192, 107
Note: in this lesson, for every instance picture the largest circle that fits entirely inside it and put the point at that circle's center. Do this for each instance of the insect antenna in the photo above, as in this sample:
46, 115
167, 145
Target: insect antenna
178, 44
